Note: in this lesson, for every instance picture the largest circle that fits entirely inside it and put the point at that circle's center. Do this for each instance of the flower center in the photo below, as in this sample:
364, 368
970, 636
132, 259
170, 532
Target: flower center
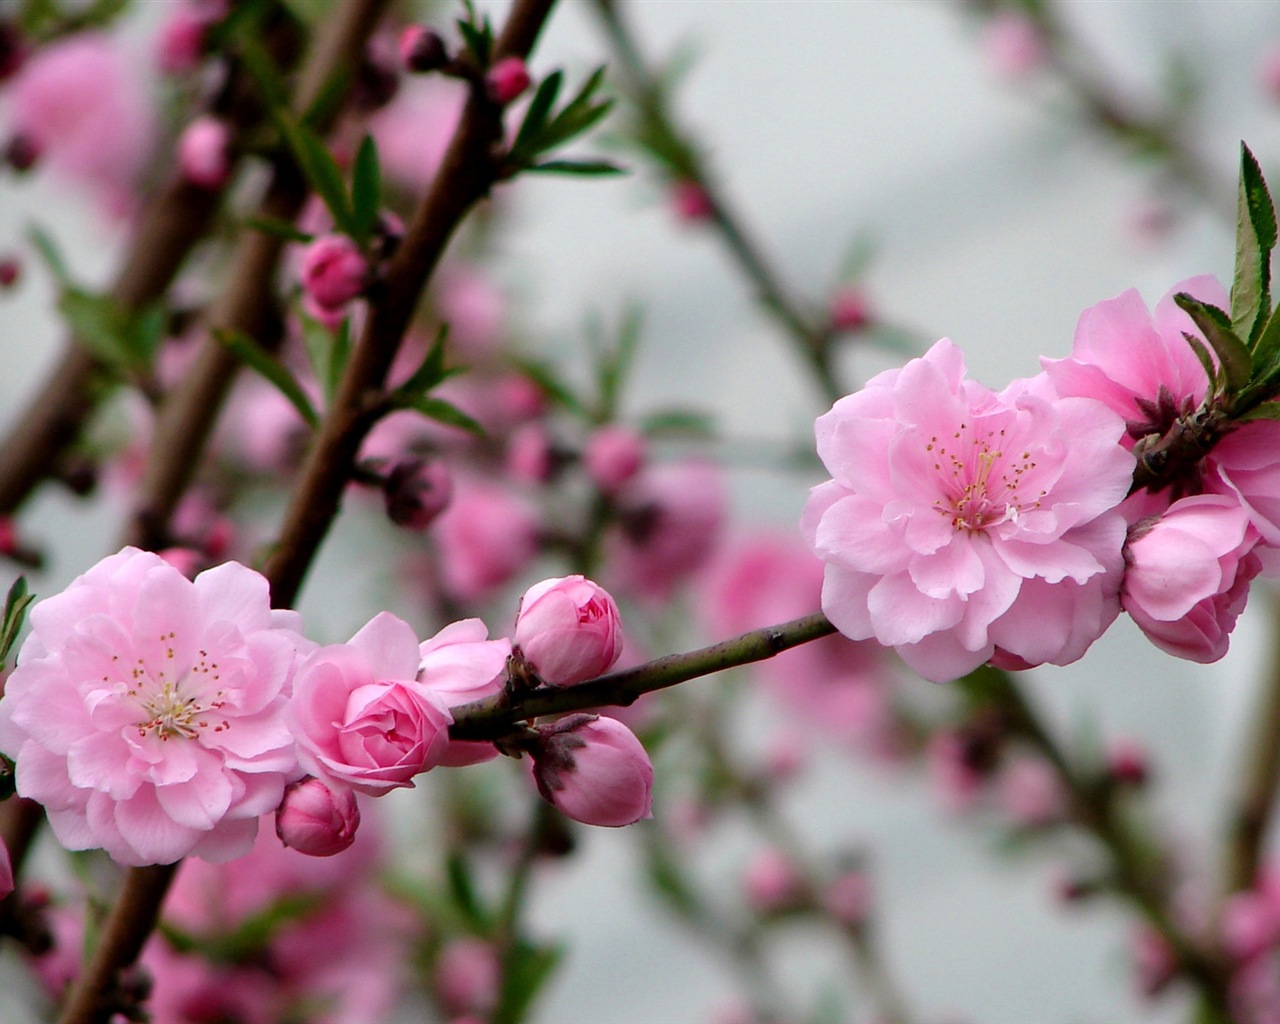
980, 484
169, 712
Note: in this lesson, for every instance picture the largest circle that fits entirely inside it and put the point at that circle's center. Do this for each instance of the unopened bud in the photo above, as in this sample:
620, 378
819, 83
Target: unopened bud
204, 152
691, 201
10, 271
1127, 763
568, 629
333, 271
849, 309
614, 455
771, 882
594, 770
316, 820
421, 49
417, 491
506, 80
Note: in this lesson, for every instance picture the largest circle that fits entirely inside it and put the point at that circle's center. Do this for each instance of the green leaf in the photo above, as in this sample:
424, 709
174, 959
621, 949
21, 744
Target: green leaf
251, 354
366, 191
330, 98
1215, 325
101, 325
683, 422
279, 228
15, 612
463, 891
613, 363
477, 36
1255, 238
260, 65
544, 375
535, 117
1205, 357
578, 115
1264, 411
1266, 349
526, 968
44, 245
431, 371
319, 168
583, 168
444, 412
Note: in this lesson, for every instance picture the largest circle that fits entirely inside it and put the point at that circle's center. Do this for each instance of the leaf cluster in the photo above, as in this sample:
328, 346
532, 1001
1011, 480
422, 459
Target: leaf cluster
545, 128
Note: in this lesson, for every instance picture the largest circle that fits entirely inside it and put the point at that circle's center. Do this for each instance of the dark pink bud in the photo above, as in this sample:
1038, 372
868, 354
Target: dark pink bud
529, 457
594, 770
204, 152
317, 820
417, 491
13, 50
848, 899
568, 630
1127, 762
22, 152
421, 49
849, 309
614, 455
691, 201
333, 271
181, 39
506, 80
10, 271
6, 871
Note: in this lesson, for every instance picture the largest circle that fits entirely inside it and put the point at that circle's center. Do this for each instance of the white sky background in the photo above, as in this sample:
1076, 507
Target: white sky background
997, 225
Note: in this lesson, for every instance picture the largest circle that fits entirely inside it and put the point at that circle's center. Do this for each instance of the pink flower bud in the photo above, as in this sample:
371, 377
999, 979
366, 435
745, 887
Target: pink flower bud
691, 202
1269, 74
1250, 925
568, 630
1155, 963
848, 898
529, 457
333, 271
1014, 45
6, 871
849, 309
771, 881
204, 152
614, 454
594, 770
1127, 762
181, 39
467, 976
1187, 575
421, 49
316, 820
10, 271
1030, 792
417, 491
507, 79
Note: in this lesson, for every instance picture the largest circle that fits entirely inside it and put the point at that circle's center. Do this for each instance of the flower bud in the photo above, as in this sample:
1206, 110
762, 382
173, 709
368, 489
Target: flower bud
181, 39
848, 898
316, 820
691, 202
1014, 45
614, 454
568, 630
468, 975
417, 491
594, 770
203, 152
333, 271
22, 152
421, 49
506, 80
849, 309
1127, 762
10, 271
771, 882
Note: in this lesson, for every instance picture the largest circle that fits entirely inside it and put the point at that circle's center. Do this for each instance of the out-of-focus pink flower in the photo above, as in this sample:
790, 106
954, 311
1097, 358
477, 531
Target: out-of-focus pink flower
771, 881
1155, 963
1030, 792
460, 664
568, 629
1013, 45
1137, 363
359, 714
849, 898
417, 491
785, 755
10, 271
334, 271
1250, 924
690, 201
1188, 573
529, 457
950, 502
849, 309
317, 819
1246, 466
1269, 73
956, 777
594, 770
80, 102
486, 536
204, 152
507, 79
6, 871
180, 40
146, 710
614, 454
467, 974
475, 309
671, 516
413, 131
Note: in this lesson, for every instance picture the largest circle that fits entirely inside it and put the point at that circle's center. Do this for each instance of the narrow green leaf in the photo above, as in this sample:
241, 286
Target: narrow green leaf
251, 354
329, 99
100, 324
535, 117
445, 412
583, 168
526, 968
1255, 238
15, 612
1215, 325
544, 375
463, 891
684, 422
320, 170
1206, 359
147, 329
1265, 411
339, 356
366, 191
571, 123
317, 342
614, 363
48, 251
278, 228
1266, 349
431, 370
258, 62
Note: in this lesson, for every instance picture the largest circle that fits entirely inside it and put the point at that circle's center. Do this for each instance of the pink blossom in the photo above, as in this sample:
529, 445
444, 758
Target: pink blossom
961, 521
181, 38
1155, 962
849, 309
1245, 465
849, 898
460, 665
414, 129
80, 102
568, 629
614, 454
475, 309
468, 973
594, 770
771, 881
956, 777
1188, 573
1013, 45
1030, 792
6, 871
359, 715
420, 49
507, 79
417, 491
486, 536
203, 152
146, 710
1127, 761
1137, 363
671, 517
333, 271
317, 819
1250, 924
529, 456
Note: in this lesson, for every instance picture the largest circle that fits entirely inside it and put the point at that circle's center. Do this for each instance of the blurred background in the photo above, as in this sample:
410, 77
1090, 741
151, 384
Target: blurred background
995, 211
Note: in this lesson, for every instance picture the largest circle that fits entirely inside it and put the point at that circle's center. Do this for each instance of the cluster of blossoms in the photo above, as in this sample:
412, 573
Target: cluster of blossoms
159, 717
964, 525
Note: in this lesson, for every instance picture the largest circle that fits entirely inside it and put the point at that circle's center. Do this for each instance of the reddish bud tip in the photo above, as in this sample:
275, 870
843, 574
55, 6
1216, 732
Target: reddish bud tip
506, 80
